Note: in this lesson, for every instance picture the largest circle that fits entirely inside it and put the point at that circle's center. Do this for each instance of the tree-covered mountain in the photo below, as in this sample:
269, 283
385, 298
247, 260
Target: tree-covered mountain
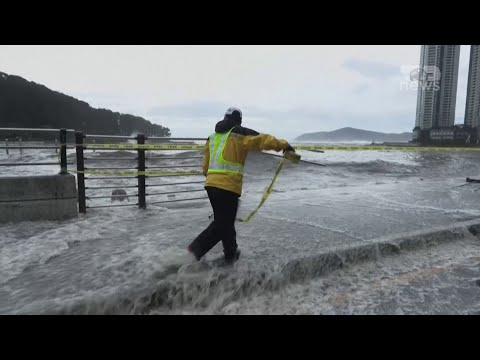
351, 134
26, 104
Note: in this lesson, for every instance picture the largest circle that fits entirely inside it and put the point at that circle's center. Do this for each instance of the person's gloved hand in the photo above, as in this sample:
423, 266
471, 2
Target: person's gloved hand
288, 148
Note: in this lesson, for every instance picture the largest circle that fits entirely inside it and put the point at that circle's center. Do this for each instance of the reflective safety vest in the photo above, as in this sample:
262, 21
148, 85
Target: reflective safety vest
217, 163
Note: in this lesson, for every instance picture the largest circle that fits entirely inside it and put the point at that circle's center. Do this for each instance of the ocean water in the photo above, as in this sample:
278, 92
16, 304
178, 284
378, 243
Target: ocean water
129, 261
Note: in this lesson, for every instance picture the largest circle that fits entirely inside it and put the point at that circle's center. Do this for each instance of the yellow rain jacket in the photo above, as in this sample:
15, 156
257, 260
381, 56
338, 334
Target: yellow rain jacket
230, 145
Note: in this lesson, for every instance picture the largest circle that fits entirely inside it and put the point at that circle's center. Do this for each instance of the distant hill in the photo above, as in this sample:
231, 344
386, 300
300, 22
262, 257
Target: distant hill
26, 104
351, 134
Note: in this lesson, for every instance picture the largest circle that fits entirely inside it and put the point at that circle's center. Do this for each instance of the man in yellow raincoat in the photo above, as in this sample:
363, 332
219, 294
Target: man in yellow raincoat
223, 163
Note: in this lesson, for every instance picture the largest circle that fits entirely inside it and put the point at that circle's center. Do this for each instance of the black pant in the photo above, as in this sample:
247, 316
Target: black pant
224, 204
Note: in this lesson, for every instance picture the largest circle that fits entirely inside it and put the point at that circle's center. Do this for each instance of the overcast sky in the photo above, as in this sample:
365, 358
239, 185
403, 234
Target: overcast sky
282, 90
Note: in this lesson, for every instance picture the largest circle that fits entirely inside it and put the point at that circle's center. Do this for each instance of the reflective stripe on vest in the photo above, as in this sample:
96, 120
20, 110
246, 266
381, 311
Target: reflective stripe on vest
217, 163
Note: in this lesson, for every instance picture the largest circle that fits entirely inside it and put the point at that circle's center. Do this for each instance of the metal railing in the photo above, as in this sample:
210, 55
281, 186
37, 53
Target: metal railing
82, 171
11, 148
141, 172
85, 173
60, 146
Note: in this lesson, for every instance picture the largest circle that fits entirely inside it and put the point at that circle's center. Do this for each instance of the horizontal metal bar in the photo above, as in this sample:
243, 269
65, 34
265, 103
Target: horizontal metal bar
110, 168
111, 136
34, 147
170, 201
31, 129
311, 162
174, 192
29, 200
108, 206
160, 176
172, 139
111, 159
468, 180
173, 158
87, 147
107, 197
30, 164
182, 183
303, 161
111, 187
111, 177
172, 166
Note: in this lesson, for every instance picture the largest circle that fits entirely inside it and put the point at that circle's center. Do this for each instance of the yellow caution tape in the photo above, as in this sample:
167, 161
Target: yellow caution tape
138, 173
296, 147
266, 194
144, 147
292, 156
383, 148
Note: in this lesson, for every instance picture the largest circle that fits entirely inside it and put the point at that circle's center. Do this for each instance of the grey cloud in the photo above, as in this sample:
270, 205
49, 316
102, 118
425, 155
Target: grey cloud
199, 109
372, 69
217, 109
361, 88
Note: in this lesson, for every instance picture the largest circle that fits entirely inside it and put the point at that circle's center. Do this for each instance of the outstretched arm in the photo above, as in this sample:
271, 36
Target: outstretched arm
262, 142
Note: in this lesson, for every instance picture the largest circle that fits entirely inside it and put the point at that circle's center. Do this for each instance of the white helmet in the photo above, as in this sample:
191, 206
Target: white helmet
230, 111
